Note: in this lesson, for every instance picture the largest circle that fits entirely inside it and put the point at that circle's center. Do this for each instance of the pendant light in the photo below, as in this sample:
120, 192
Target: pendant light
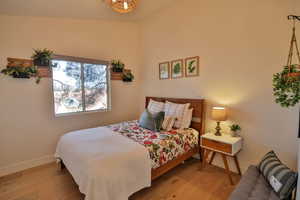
123, 6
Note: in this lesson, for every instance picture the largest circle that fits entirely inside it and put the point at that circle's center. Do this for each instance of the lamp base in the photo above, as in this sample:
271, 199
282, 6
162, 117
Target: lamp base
218, 128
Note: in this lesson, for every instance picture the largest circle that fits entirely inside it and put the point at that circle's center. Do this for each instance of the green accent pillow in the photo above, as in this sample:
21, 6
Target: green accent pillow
150, 121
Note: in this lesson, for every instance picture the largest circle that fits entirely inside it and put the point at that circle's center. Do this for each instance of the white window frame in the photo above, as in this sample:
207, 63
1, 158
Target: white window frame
83, 61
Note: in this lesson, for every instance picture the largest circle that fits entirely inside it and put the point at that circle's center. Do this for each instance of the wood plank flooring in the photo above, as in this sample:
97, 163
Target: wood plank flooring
185, 182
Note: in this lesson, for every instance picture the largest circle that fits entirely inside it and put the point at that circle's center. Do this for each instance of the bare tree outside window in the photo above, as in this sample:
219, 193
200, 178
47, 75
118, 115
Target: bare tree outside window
80, 86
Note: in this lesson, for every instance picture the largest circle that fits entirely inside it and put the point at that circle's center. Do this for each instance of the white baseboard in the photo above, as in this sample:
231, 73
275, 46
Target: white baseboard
10, 169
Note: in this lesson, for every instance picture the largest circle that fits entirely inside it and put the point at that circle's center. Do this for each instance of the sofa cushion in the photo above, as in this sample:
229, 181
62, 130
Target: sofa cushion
280, 177
253, 186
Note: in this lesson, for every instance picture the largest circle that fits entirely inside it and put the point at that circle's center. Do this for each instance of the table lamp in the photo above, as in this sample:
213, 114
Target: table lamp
218, 114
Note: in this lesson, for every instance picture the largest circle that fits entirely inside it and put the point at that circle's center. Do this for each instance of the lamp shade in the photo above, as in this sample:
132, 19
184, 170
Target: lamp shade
219, 114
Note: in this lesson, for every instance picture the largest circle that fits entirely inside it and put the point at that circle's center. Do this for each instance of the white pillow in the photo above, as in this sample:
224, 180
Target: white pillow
168, 123
177, 111
155, 106
187, 119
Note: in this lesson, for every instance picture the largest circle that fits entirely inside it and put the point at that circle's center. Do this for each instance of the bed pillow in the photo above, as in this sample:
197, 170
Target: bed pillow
281, 178
187, 118
177, 111
150, 121
168, 123
155, 106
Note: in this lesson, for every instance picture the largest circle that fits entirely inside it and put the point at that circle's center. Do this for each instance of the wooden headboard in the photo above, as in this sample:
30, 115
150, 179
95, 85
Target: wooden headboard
198, 121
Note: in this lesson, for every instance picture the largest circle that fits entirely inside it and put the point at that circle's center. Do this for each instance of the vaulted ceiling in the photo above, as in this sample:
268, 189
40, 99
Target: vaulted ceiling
79, 9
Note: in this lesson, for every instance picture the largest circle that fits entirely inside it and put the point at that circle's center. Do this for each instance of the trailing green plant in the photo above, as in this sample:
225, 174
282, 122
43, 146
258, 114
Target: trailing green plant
22, 72
127, 77
191, 68
286, 88
235, 127
42, 57
117, 65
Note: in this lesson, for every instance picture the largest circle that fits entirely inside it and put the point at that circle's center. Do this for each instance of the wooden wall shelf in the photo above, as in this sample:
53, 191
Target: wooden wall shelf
46, 72
19, 62
118, 76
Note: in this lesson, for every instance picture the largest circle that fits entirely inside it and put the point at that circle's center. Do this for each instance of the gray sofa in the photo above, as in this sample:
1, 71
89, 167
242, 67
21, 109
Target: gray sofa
253, 186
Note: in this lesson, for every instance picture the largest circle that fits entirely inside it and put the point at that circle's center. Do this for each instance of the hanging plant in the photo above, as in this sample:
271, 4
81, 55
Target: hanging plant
42, 57
22, 72
286, 84
286, 88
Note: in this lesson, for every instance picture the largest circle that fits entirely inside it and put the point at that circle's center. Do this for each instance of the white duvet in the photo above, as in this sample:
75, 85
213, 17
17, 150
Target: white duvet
104, 164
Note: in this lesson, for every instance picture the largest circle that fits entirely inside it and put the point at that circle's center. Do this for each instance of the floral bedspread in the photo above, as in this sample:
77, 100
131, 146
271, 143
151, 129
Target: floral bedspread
162, 146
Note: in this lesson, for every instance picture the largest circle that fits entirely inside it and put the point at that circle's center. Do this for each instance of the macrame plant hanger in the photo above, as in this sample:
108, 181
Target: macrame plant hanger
293, 45
290, 57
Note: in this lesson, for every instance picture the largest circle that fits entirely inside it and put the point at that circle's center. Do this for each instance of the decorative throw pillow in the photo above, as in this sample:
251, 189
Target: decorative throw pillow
281, 178
187, 119
168, 123
151, 121
177, 111
155, 106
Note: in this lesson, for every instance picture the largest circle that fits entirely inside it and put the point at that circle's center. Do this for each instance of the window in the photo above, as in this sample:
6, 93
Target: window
80, 85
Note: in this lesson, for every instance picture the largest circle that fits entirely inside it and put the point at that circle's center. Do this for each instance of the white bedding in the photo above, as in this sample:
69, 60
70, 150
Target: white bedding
104, 164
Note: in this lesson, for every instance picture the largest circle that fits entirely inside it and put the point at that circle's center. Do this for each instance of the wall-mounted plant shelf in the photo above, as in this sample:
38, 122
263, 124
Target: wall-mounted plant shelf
19, 62
118, 76
46, 72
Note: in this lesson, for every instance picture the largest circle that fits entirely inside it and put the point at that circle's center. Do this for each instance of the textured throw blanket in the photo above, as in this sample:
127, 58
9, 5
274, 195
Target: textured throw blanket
104, 164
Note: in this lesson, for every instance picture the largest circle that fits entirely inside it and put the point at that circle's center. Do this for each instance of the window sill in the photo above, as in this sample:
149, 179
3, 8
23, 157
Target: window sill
82, 113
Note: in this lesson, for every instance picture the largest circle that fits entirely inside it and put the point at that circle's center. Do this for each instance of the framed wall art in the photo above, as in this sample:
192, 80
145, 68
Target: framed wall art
177, 68
192, 66
164, 70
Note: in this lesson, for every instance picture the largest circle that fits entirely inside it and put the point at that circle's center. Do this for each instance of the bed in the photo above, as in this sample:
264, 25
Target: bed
114, 161
198, 123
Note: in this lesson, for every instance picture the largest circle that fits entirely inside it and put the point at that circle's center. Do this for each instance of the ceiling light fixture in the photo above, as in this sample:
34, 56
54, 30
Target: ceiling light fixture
123, 6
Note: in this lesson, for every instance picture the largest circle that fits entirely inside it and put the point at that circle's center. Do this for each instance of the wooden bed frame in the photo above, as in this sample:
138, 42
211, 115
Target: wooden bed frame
198, 123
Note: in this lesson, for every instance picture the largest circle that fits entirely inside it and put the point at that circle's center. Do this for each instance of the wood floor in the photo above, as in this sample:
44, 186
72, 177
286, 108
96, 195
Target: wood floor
186, 181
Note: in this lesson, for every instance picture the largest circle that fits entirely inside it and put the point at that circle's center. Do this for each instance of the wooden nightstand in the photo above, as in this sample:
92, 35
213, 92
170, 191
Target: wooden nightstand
225, 145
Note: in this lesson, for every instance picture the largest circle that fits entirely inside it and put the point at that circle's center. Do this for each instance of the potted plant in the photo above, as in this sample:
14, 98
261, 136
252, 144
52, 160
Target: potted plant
117, 65
42, 57
22, 72
286, 86
127, 77
295, 71
235, 129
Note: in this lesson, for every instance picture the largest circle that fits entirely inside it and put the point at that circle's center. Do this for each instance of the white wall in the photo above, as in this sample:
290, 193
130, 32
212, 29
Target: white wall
241, 43
28, 129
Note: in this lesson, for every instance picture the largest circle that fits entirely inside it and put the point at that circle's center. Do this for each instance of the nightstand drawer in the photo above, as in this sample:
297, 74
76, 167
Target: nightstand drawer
219, 146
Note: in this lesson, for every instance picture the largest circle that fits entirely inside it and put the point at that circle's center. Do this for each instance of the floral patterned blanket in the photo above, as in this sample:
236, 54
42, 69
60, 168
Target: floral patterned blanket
162, 146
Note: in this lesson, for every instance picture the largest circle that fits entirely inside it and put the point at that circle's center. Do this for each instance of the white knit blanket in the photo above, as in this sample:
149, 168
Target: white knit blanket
104, 164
